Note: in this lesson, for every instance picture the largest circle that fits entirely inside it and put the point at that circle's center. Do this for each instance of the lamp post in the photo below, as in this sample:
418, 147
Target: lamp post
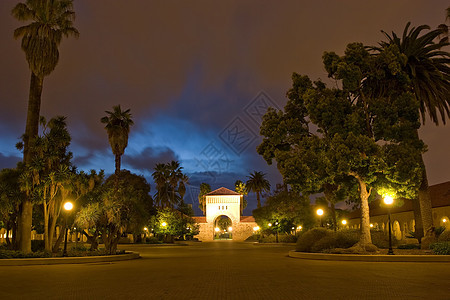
67, 207
320, 213
388, 200
344, 222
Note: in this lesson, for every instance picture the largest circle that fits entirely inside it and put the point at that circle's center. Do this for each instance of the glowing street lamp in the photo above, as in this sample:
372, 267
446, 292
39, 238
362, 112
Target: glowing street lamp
319, 212
230, 229
216, 229
68, 206
388, 200
256, 228
270, 224
344, 222
299, 227
163, 224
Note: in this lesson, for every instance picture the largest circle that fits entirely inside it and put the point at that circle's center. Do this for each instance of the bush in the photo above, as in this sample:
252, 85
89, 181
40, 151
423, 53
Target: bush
37, 245
287, 238
444, 236
79, 247
439, 230
4, 254
268, 239
408, 246
381, 239
339, 239
440, 248
306, 240
152, 240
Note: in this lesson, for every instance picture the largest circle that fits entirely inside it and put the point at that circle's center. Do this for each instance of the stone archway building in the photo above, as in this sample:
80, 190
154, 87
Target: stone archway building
402, 218
224, 202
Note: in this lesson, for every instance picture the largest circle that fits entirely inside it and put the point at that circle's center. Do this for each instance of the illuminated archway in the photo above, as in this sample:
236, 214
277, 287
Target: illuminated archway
223, 228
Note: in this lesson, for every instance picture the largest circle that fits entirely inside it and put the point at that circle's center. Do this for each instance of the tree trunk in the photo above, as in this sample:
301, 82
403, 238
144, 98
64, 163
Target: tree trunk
418, 226
425, 203
258, 199
31, 131
48, 246
117, 171
365, 237
55, 247
426, 212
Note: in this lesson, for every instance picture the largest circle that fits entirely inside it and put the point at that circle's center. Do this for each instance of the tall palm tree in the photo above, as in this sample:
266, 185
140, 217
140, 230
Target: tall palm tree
160, 176
118, 125
184, 179
258, 184
175, 175
428, 68
49, 21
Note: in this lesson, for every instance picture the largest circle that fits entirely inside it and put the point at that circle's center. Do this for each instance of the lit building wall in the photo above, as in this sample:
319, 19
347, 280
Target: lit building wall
227, 205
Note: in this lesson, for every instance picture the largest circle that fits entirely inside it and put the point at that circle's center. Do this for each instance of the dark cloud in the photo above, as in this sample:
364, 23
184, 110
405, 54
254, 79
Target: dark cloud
197, 62
7, 161
147, 159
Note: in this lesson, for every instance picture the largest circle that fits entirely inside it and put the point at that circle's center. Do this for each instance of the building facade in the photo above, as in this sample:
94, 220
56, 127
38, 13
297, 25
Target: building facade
402, 217
223, 206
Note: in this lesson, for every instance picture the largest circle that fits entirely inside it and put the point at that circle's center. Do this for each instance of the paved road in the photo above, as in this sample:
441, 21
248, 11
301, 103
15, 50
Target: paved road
225, 270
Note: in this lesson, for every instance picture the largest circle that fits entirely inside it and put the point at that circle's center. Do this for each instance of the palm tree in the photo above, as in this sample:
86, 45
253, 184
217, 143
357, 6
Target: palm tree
118, 124
428, 68
184, 179
50, 21
258, 184
175, 175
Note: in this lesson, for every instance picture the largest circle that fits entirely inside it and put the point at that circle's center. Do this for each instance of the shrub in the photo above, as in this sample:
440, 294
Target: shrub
439, 230
444, 236
408, 246
287, 238
79, 247
441, 248
268, 239
152, 240
18, 254
339, 239
37, 245
381, 239
307, 240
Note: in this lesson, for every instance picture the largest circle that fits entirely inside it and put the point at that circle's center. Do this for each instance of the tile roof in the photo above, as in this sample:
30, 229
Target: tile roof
222, 191
199, 219
247, 219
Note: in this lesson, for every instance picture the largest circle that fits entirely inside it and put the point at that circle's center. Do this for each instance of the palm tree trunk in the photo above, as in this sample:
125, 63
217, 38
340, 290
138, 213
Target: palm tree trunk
258, 199
117, 172
31, 131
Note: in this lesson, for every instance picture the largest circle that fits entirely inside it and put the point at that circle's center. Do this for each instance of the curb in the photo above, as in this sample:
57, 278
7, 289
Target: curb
67, 260
369, 258
273, 244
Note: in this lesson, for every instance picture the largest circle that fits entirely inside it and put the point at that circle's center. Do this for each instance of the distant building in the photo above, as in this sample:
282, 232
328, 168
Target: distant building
402, 218
224, 204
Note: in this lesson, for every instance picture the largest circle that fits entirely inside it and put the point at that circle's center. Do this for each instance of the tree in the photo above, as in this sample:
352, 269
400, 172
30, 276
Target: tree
427, 67
46, 180
258, 184
184, 179
287, 208
117, 126
10, 198
170, 181
204, 189
353, 132
241, 188
50, 21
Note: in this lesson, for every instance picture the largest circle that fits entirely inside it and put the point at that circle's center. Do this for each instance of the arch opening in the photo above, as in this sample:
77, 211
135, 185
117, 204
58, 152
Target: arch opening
223, 228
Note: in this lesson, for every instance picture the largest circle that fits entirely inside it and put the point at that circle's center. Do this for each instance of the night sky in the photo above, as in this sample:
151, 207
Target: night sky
197, 76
